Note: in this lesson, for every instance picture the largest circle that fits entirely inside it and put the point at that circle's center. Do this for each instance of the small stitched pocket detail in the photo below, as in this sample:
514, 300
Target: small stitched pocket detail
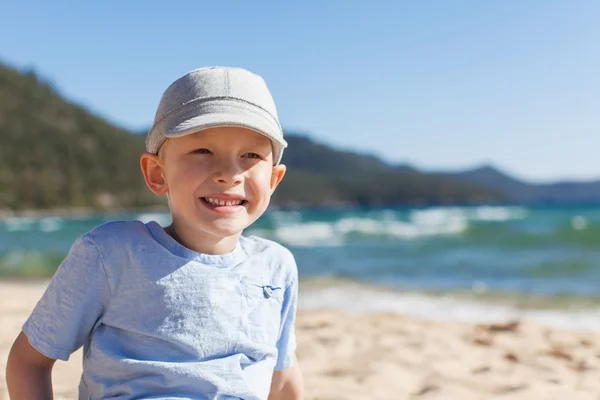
264, 311
267, 291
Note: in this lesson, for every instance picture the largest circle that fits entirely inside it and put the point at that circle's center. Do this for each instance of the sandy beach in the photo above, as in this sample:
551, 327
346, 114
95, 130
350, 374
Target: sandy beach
391, 356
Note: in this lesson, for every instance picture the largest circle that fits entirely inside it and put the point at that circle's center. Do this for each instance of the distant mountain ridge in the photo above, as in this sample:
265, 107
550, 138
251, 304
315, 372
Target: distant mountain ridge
348, 178
562, 192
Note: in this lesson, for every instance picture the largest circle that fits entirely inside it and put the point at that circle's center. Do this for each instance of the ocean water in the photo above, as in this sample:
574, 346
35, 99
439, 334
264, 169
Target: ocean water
445, 263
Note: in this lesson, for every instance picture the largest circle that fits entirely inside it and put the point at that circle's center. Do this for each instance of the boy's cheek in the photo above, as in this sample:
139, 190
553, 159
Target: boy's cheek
181, 178
267, 187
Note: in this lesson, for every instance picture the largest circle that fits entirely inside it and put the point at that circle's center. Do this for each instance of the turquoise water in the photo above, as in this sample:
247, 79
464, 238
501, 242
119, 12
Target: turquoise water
519, 250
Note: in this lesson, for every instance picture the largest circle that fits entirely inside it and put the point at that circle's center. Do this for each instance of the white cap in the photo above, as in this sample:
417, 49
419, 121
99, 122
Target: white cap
215, 97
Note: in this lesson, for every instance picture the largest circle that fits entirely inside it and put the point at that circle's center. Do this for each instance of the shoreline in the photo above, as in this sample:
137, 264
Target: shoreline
360, 299
478, 294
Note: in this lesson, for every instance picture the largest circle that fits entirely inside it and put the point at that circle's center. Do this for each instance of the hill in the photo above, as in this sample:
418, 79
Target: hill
339, 177
56, 154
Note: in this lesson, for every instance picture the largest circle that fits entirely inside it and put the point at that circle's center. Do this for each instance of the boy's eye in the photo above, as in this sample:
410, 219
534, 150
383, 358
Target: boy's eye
201, 151
253, 155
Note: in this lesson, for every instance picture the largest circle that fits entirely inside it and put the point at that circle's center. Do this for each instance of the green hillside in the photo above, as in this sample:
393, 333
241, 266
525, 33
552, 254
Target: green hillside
56, 154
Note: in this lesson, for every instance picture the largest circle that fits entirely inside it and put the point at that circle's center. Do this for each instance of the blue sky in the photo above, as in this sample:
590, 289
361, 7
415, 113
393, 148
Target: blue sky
444, 84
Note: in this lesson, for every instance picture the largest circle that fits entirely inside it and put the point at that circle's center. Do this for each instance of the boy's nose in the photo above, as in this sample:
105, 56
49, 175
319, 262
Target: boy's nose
233, 180
229, 175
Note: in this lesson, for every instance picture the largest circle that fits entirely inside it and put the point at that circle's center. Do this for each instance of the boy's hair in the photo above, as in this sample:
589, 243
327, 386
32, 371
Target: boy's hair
213, 97
161, 151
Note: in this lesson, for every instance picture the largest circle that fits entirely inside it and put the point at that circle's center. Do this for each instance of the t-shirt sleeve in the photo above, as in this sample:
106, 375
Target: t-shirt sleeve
73, 303
286, 345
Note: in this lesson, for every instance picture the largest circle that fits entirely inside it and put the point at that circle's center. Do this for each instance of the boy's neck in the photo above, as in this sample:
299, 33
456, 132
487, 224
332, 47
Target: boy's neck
202, 243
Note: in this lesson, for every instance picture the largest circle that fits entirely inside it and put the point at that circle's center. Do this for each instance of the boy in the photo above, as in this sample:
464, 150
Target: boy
194, 310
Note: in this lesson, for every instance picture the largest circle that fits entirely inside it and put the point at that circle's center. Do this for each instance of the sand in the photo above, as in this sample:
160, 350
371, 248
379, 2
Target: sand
390, 356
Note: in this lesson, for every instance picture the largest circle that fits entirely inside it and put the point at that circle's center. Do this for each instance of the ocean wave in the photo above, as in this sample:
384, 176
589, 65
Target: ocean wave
579, 223
19, 224
309, 234
489, 213
24, 224
51, 224
442, 215
336, 233
289, 227
163, 219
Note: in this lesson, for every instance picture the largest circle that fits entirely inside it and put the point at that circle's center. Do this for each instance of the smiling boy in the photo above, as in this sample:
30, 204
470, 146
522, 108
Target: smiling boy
194, 310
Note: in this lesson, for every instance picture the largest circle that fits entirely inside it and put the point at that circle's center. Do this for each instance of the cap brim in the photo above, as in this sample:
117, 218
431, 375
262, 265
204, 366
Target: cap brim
245, 120
199, 116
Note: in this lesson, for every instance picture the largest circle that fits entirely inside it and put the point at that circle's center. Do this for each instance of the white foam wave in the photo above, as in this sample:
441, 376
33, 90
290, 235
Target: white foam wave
163, 219
335, 233
579, 223
359, 299
23, 224
309, 234
441, 215
285, 217
51, 224
489, 213
16, 224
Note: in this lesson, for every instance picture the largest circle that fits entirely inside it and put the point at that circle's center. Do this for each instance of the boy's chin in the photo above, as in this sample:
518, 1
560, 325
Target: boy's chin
225, 230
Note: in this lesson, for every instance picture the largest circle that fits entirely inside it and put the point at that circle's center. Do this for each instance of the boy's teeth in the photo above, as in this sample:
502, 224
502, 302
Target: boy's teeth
218, 202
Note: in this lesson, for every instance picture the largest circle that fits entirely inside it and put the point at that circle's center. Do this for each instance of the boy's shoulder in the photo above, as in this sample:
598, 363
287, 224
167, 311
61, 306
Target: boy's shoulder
269, 248
272, 253
118, 232
118, 227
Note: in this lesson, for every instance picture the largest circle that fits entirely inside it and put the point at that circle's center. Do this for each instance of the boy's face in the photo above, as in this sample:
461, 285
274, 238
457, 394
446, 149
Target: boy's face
219, 181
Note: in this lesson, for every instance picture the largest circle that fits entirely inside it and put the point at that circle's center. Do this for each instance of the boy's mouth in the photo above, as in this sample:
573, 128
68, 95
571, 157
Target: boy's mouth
216, 202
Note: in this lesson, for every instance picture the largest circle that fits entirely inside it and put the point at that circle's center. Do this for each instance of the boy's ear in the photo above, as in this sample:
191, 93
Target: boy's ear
277, 176
152, 168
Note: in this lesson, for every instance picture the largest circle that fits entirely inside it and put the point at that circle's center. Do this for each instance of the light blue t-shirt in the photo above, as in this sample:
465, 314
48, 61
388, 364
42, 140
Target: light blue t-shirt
158, 320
